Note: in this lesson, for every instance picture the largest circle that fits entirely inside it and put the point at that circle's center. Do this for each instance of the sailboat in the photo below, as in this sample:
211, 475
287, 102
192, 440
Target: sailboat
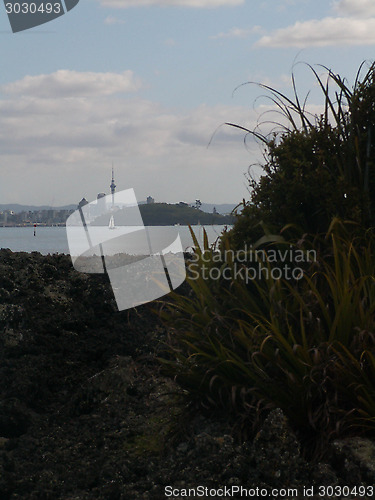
111, 224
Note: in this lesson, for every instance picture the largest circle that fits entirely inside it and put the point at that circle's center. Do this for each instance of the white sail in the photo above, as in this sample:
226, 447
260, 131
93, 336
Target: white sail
112, 223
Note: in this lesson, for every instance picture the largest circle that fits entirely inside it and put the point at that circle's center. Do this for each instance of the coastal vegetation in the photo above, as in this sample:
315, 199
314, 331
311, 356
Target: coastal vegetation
247, 339
317, 166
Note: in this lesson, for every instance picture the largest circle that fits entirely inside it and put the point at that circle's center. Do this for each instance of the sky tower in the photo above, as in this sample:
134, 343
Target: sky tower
113, 188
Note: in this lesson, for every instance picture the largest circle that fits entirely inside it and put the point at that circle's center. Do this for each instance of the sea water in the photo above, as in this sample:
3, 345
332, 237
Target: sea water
50, 240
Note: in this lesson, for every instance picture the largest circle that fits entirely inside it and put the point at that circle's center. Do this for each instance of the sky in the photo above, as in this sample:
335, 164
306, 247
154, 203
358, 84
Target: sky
147, 85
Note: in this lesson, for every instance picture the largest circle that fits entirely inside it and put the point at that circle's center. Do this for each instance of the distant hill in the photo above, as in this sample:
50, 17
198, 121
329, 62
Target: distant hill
165, 214
221, 208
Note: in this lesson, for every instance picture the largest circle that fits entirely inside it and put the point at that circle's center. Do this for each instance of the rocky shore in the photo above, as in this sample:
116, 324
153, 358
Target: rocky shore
85, 412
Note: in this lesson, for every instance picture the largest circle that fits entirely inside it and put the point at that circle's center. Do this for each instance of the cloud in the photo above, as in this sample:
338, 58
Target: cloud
65, 83
123, 4
238, 33
361, 8
113, 20
63, 148
321, 33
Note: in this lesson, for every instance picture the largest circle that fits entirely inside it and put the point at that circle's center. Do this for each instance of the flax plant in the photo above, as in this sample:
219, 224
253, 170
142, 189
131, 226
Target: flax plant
307, 347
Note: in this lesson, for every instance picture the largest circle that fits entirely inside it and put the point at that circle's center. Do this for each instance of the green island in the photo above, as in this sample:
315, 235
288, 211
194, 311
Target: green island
166, 214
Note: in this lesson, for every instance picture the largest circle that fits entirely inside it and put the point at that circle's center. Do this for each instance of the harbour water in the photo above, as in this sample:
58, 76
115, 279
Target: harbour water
50, 240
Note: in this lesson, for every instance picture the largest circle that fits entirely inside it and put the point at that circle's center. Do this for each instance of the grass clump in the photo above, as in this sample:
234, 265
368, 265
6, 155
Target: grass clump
304, 345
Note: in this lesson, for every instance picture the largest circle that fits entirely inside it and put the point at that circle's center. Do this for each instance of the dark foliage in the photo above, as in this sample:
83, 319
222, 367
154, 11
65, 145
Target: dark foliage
319, 167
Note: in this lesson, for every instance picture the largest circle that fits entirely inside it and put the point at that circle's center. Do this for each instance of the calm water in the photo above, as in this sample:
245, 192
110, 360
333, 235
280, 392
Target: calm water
54, 240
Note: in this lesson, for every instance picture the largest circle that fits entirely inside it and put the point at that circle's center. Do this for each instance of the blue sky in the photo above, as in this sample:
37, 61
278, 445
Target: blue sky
145, 83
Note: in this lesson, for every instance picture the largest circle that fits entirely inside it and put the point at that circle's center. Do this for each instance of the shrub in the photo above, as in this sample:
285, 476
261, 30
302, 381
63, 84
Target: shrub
316, 167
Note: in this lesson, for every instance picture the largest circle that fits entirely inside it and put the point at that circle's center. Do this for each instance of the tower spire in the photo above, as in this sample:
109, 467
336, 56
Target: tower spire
113, 187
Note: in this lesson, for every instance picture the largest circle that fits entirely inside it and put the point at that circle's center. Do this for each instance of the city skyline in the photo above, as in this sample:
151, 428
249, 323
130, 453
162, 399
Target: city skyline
147, 85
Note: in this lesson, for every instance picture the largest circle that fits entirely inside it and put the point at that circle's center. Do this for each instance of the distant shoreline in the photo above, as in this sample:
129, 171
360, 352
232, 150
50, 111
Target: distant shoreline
34, 224
41, 224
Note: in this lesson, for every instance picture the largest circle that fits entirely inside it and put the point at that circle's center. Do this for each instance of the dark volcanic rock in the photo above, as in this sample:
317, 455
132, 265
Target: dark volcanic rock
276, 451
355, 457
85, 413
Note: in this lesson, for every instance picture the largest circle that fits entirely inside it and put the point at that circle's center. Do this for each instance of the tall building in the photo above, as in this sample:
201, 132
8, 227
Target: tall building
113, 189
